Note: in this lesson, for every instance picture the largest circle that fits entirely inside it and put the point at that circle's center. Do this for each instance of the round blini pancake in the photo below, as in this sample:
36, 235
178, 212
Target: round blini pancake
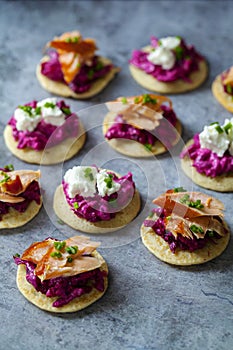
222, 183
122, 218
57, 154
174, 87
133, 148
16, 219
45, 303
161, 250
61, 89
221, 96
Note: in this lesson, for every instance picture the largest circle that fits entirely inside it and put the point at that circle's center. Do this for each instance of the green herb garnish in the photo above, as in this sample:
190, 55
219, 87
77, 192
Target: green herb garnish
136, 100
108, 180
90, 74
72, 249
17, 255
227, 127
27, 109
75, 205
179, 189
99, 66
219, 129
37, 110
229, 89
147, 99
9, 167
69, 259
210, 233
148, 146
186, 200
88, 174
6, 177
168, 217
214, 123
179, 51
49, 105
196, 229
59, 245
124, 100
66, 110
56, 255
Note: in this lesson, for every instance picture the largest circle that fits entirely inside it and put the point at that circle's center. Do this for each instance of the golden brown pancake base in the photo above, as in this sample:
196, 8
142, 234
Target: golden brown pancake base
45, 303
221, 96
122, 218
174, 87
222, 183
57, 154
16, 219
133, 148
161, 250
62, 89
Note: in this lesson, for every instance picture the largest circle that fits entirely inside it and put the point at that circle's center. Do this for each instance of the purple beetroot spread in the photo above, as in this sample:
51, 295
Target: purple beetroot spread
187, 62
32, 193
174, 243
99, 208
38, 138
207, 162
85, 77
64, 288
165, 134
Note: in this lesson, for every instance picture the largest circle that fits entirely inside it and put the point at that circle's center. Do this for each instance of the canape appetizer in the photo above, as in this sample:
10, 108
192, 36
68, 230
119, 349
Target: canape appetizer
141, 126
44, 132
72, 68
168, 65
208, 158
187, 228
62, 276
96, 200
20, 197
222, 89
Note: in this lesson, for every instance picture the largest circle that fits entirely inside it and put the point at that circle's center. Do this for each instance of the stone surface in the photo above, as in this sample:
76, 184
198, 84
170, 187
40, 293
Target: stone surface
149, 304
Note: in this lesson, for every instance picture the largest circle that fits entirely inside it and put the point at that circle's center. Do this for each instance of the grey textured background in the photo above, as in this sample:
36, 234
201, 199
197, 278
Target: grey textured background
149, 304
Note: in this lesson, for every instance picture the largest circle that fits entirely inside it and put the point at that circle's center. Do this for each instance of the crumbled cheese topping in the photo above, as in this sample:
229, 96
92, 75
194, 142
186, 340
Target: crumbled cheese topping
87, 181
105, 183
81, 180
50, 112
27, 118
218, 138
163, 54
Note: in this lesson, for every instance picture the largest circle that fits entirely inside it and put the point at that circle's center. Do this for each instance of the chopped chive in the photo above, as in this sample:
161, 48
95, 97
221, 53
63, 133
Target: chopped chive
72, 249
99, 66
229, 89
75, 205
56, 255
59, 245
210, 233
179, 51
168, 217
49, 105
17, 255
148, 146
88, 174
147, 99
227, 127
219, 129
27, 109
69, 259
214, 123
38, 110
124, 100
108, 180
66, 110
179, 189
9, 167
90, 74
196, 229
6, 177
136, 100
186, 200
